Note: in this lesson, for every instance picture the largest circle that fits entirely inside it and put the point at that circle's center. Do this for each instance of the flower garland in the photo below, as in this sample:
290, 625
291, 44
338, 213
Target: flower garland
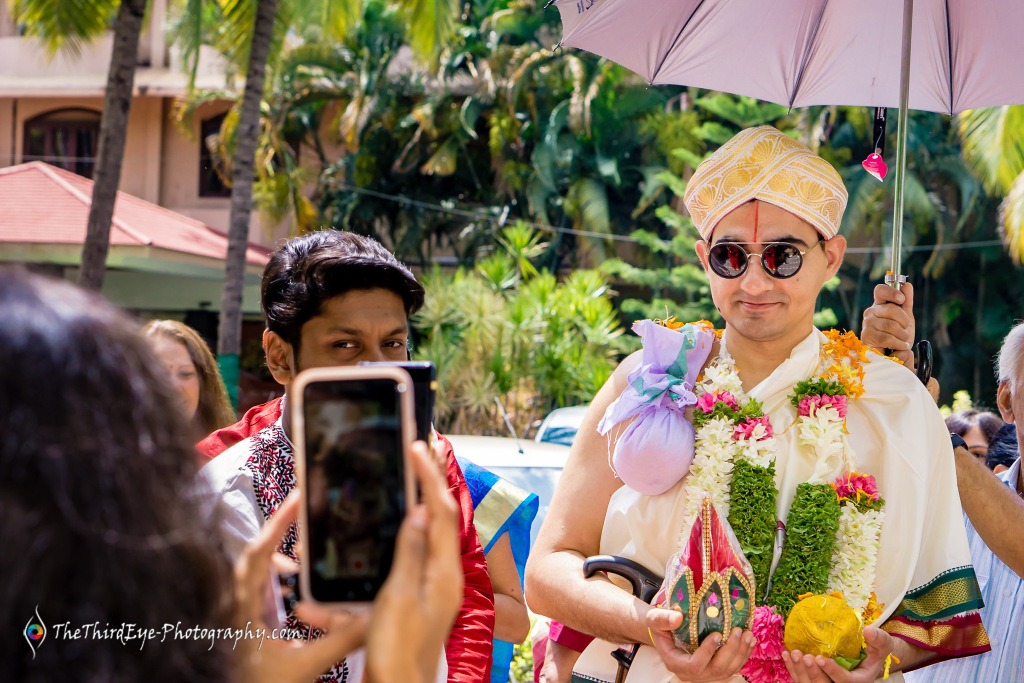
833, 527
858, 540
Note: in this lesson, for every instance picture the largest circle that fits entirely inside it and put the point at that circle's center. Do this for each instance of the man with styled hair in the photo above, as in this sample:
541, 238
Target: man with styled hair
333, 298
768, 211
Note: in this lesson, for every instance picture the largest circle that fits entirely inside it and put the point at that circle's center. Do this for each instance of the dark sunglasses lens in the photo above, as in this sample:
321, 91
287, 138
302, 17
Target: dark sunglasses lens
781, 260
727, 260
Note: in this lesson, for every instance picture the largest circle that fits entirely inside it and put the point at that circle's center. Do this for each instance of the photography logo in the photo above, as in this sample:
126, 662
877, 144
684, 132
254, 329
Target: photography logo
35, 632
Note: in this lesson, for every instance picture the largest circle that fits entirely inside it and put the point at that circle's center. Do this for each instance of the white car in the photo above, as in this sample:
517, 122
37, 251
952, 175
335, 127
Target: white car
532, 466
561, 425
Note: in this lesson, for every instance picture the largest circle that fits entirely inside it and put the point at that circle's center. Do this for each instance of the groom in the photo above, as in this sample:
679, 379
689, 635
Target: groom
769, 210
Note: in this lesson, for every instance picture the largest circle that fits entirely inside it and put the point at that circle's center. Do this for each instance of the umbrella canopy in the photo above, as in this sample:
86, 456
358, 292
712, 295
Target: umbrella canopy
964, 53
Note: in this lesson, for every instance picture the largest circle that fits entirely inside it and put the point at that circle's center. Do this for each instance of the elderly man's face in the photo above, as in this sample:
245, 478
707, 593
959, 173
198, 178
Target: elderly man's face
1010, 400
756, 305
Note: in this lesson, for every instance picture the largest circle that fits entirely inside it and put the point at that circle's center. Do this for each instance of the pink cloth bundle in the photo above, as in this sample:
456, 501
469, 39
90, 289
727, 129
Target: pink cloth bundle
656, 449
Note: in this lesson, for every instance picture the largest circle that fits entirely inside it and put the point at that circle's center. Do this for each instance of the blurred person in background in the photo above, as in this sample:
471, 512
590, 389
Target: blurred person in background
503, 515
1003, 449
194, 374
977, 427
1001, 589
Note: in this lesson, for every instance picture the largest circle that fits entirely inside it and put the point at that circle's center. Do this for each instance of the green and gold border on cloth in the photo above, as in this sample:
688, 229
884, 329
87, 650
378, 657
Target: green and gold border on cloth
950, 593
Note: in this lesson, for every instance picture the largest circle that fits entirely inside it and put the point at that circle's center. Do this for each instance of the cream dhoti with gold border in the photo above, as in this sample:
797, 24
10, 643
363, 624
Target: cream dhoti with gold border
896, 433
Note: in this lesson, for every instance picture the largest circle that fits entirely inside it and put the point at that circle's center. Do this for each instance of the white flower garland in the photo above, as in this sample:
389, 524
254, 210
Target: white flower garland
711, 469
824, 434
715, 448
855, 558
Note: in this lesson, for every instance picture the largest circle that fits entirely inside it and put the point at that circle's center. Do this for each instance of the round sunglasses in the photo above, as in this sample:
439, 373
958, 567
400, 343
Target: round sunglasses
781, 260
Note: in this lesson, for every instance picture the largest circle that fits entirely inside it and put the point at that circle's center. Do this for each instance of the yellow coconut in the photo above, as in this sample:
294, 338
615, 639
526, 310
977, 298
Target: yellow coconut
824, 625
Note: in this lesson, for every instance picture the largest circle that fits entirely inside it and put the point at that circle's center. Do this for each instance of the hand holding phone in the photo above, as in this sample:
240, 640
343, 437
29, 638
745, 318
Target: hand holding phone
352, 428
426, 581
274, 660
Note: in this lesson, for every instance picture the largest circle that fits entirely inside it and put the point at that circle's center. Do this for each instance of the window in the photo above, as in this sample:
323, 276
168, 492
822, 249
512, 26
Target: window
211, 184
66, 138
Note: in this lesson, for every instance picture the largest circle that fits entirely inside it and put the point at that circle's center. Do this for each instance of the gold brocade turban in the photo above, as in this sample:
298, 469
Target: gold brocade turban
764, 163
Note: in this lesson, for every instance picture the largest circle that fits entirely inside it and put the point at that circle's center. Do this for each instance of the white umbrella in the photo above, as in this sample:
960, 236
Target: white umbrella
955, 54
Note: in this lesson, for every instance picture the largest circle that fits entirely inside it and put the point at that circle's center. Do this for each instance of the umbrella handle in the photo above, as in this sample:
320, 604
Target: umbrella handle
924, 361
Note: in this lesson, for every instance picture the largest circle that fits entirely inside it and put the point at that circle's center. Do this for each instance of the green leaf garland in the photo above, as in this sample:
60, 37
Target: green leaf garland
818, 386
752, 517
752, 408
810, 538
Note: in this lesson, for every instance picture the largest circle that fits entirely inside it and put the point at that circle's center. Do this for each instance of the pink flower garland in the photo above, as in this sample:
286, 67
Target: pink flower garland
810, 404
855, 486
745, 429
765, 664
707, 401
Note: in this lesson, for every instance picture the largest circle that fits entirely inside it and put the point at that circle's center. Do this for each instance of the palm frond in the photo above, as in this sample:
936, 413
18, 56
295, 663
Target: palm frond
429, 25
234, 31
64, 23
993, 144
1011, 219
587, 203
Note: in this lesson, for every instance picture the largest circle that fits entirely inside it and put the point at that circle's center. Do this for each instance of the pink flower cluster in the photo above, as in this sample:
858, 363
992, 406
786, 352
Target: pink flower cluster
765, 664
707, 401
745, 429
809, 404
854, 483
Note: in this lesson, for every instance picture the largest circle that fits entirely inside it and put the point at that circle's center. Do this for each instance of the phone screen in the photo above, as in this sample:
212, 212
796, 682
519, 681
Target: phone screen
355, 484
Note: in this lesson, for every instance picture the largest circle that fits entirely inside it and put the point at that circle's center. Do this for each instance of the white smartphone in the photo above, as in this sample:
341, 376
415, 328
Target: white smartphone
351, 427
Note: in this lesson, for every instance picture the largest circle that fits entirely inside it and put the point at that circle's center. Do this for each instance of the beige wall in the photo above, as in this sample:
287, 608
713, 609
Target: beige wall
179, 185
93, 58
179, 168
140, 173
7, 27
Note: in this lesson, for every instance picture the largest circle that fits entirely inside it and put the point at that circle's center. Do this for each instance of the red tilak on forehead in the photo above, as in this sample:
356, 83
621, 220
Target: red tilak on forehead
755, 221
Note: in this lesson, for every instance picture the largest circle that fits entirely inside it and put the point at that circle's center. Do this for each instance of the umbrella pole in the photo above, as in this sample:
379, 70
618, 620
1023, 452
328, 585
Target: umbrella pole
893, 277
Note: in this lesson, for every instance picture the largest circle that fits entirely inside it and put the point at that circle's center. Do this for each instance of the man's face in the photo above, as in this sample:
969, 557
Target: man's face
756, 305
1010, 400
360, 325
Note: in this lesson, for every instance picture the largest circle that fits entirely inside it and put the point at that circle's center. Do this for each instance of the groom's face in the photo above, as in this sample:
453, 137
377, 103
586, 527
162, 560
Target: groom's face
755, 304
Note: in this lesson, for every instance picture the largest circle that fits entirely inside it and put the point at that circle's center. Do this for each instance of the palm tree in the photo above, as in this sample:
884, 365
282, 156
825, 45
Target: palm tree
71, 22
229, 332
251, 34
993, 145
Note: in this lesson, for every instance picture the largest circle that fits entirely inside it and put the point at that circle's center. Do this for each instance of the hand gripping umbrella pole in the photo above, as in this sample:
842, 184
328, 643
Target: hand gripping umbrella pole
893, 277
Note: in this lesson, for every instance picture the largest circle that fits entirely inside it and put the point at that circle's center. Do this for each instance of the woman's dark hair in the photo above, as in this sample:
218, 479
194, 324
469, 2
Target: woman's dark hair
313, 268
1002, 450
989, 423
100, 519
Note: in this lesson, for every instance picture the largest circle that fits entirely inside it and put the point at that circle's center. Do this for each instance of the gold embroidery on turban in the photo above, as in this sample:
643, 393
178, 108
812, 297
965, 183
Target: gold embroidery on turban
764, 163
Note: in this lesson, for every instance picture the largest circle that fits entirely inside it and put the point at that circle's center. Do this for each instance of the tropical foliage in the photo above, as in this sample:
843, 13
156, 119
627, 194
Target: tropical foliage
509, 339
993, 145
